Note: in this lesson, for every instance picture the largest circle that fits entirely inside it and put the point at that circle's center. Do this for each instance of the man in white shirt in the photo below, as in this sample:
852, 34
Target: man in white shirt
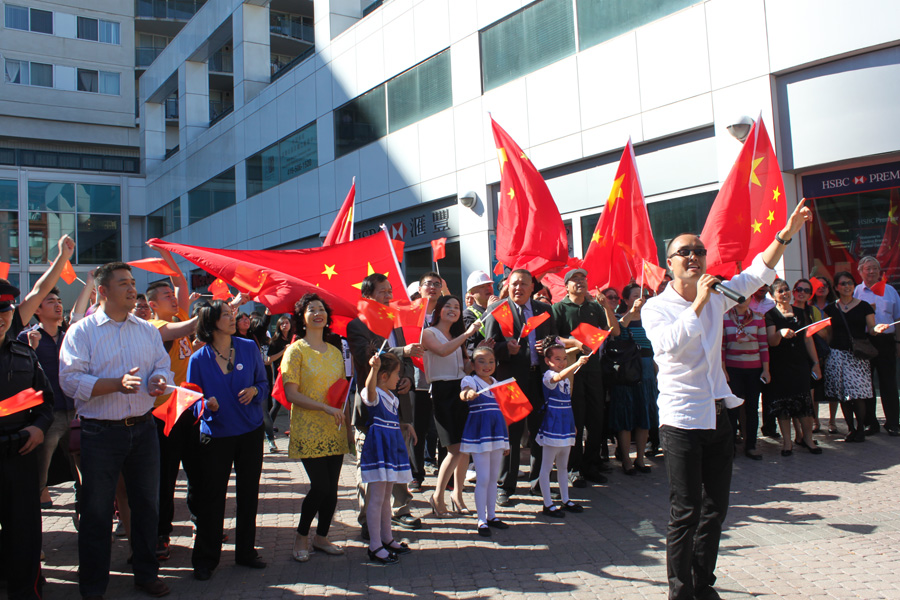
684, 324
887, 310
114, 365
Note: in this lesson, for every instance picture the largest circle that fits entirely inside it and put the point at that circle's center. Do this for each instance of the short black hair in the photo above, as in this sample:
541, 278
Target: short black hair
777, 284
300, 308
841, 274
672, 241
370, 283
104, 272
141, 297
152, 289
551, 343
207, 317
429, 274
55, 291
523, 272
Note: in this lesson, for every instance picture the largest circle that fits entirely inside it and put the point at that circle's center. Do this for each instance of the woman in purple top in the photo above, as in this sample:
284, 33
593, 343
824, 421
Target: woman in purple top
745, 358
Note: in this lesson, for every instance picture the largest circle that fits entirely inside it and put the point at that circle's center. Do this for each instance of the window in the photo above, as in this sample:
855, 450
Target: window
98, 198
602, 20
88, 29
216, 194
109, 32
288, 158
41, 21
531, 39
359, 122
88, 81
109, 83
16, 17
17, 72
9, 221
669, 218
98, 239
164, 220
41, 74
420, 92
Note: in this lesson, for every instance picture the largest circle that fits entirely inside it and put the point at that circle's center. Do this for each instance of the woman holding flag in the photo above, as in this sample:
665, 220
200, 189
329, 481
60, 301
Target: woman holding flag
314, 383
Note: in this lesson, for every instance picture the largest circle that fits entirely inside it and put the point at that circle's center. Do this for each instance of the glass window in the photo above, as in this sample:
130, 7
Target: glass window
164, 220
109, 32
88, 29
531, 39
292, 156
16, 17
9, 237
98, 198
17, 72
41, 21
98, 239
420, 92
88, 81
679, 215
41, 74
9, 197
45, 195
211, 197
601, 20
418, 262
359, 122
44, 231
109, 83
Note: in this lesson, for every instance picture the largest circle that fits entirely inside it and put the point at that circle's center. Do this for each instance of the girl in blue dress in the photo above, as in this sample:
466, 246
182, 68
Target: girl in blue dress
485, 438
557, 431
384, 460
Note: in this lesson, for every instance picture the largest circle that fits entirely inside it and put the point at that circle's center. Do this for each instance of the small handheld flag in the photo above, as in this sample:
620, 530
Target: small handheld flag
813, 328
590, 336
503, 315
155, 265
22, 401
513, 402
171, 410
532, 323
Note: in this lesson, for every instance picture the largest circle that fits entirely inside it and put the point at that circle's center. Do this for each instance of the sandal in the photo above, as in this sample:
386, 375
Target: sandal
328, 548
390, 559
440, 514
396, 547
301, 554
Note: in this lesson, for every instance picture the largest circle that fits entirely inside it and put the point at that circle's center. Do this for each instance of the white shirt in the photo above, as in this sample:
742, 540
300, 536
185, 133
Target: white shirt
887, 307
763, 306
688, 350
97, 347
443, 368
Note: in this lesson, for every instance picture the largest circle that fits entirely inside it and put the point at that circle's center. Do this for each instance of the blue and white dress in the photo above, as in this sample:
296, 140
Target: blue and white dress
558, 428
384, 456
485, 428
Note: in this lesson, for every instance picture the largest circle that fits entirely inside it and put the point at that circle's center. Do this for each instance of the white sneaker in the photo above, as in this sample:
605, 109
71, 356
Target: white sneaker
470, 476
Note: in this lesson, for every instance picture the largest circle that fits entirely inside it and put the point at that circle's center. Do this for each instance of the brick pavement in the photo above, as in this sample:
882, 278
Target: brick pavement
802, 527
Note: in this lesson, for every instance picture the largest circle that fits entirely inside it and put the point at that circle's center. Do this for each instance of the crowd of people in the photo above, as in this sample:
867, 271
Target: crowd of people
105, 366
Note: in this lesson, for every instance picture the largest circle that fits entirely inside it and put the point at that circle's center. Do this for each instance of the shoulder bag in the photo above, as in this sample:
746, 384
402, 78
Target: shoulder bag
863, 348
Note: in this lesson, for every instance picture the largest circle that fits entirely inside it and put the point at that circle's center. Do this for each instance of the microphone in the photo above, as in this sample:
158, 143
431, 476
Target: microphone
728, 293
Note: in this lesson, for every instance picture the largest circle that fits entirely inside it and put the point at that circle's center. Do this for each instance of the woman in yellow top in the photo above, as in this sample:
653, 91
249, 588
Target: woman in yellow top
319, 435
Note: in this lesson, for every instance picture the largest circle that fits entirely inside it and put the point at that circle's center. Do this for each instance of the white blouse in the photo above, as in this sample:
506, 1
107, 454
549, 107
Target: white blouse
443, 368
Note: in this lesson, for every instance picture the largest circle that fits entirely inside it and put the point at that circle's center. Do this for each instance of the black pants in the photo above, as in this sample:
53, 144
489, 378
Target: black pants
885, 366
423, 420
745, 384
769, 422
20, 525
218, 455
175, 450
698, 462
324, 473
588, 407
509, 474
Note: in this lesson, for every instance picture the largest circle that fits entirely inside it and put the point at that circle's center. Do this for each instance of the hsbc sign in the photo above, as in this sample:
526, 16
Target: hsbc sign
417, 225
851, 181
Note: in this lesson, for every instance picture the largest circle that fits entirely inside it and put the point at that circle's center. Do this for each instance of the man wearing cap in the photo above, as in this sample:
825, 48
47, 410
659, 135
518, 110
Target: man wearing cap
480, 288
588, 396
115, 366
20, 434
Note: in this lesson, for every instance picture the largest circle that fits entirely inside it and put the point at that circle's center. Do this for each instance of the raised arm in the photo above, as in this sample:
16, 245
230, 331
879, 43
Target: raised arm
173, 331
47, 281
84, 299
179, 282
432, 344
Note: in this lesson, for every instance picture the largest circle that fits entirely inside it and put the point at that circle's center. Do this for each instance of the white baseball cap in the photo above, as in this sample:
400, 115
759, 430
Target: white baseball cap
412, 288
477, 278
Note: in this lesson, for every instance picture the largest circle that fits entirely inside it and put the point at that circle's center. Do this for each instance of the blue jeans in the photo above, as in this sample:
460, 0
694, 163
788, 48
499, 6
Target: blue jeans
107, 451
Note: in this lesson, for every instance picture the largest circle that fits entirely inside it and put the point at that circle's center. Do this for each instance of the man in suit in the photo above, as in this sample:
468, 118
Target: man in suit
524, 361
363, 343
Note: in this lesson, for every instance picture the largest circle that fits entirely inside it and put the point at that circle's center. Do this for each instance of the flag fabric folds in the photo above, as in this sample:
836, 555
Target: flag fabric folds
278, 391
816, 284
749, 209
68, 273
183, 398
503, 315
652, 275
530, 231
342, 229
818, 326
532, 323
590, 336
439, 248
338, 392
377, 317
410, 317
498, 268
219, 290
622, 239
513, 403
22, 401
878, 288
154, 265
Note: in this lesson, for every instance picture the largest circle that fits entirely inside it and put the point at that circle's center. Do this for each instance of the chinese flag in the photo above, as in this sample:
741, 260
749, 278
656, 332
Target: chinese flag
410, 316
514, 405
888, 254
590, 336
530, 231
749, 208
155, 265
498, 268
829, 254
342, 229
337, 393
532, 323
377, 317
622, 240
68, 273
652, 275
439, 248
248, 280
4, 270
878, 288
183, 398
503, 315
816, 284
22, 401
278, 391
818, 326
219, 290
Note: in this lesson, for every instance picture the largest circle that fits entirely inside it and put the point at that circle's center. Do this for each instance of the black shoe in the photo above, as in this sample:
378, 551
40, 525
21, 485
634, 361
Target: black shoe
643, 468
631, 471
497, 524
397, 548
572, 507
414, 486
253, 563
390, 559
553, 511
595, 476
753, 456
652, 450
365, 533
484, 531
892, 431
503, 498
536, 491
860, 436
154, 587
851, 436
787, 452
576, 480
872, 429
407, 522
708, 594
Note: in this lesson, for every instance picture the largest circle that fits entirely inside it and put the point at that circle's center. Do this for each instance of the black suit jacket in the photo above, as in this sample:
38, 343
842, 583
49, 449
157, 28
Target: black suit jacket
519, 365
362, 341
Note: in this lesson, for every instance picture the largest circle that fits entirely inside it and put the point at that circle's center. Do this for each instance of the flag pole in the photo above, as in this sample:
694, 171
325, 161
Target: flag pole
817, 322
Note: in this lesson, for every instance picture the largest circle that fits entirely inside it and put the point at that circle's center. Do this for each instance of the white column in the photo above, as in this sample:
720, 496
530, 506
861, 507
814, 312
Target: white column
153, 135
333, 17
252, 57
193, 101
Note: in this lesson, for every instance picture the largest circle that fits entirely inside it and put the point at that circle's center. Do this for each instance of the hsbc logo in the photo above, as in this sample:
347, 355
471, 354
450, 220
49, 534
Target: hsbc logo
398, 231
859, 180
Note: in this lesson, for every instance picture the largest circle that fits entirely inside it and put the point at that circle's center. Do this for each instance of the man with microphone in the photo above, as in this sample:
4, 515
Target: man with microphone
684, 324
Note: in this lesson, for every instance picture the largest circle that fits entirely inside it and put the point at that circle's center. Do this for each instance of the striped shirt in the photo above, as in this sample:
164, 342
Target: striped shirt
744, 341
97, 347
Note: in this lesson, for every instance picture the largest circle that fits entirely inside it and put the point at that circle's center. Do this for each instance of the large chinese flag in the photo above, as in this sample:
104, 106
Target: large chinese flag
889, 252
622, 239
342, 229
749, 208
530, 231
334, 272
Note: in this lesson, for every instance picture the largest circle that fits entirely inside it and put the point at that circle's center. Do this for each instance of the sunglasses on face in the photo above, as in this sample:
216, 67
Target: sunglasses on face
802, 290
845, 282
686, 252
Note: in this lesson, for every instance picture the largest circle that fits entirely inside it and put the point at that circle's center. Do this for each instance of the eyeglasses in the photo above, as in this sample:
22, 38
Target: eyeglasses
845, 282
686, 252
436, 284
802, 290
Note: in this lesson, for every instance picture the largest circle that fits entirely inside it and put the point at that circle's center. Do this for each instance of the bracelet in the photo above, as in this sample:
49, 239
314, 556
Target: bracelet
781, 241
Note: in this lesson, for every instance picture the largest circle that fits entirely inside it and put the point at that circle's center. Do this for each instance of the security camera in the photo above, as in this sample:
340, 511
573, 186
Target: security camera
469, 199
740, 129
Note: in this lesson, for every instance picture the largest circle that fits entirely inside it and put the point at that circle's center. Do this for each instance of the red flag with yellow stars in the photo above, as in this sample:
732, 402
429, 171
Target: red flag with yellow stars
277, 278
377, 317
652, 275
622, 240
533, 323
22, 401
513, 403
590, 336
219, 290
504, 317
439, 248
342, 229
888, 255
828, 252
530, 231
749, 209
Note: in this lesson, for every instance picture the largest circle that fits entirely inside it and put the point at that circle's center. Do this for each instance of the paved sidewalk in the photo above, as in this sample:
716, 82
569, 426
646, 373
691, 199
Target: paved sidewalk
803, 527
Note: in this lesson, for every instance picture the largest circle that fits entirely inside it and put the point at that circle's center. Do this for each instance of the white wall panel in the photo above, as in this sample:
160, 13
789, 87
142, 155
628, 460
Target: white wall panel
373, 171
436, 153
369, 62
463, 19
432, 27
465, 69
399, 44
553, 107
343, 78
738, 46
677, 117
403, 158
604, 138
608, 81
469, 133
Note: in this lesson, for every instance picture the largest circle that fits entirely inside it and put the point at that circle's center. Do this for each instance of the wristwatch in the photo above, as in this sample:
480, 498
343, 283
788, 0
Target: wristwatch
782, 241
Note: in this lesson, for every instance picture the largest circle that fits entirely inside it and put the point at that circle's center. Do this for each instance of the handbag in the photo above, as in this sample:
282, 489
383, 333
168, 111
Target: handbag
863, 348
621, 360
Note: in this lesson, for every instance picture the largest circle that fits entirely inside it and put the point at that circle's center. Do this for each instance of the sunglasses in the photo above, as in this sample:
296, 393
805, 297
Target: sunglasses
802, 290
686, 252
845, 282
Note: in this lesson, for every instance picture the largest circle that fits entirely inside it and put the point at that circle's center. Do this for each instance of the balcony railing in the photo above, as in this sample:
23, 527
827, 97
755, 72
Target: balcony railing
144, 57
221, 62
181, 10
295, 26
172, 108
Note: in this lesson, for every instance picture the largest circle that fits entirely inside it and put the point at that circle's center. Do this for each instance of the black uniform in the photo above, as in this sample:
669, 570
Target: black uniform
20, 508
